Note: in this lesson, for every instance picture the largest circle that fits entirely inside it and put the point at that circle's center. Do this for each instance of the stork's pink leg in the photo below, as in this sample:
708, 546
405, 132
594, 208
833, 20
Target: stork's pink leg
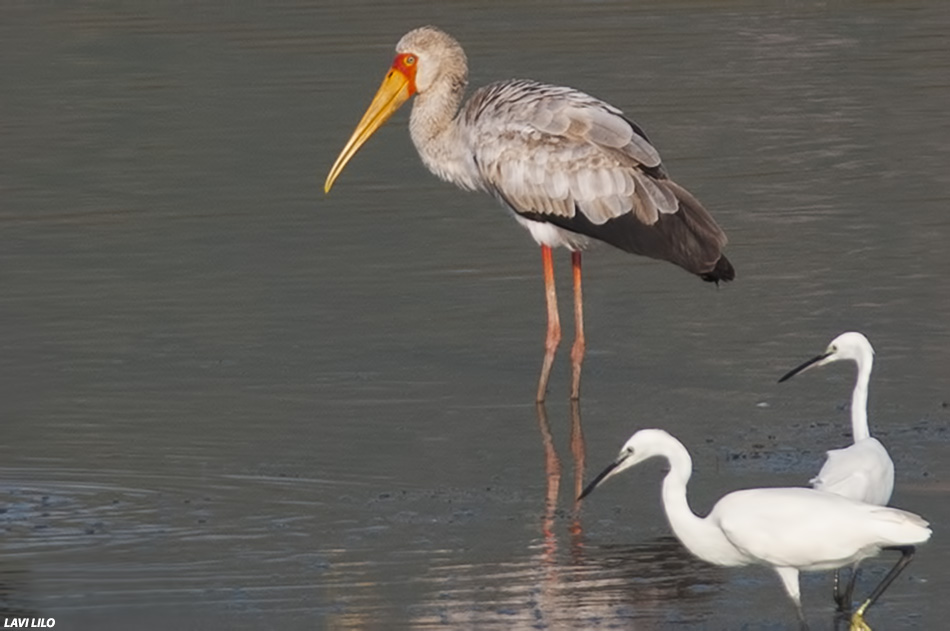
577, 351
554, 323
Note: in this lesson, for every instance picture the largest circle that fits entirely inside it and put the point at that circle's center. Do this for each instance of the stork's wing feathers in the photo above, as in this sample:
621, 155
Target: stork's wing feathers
553, 151
559, 156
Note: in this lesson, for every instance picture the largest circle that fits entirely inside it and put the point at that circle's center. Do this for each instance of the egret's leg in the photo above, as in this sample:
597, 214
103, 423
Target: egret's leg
577, 351
844, 599
789, 576
836, 593
907, 553
554, 323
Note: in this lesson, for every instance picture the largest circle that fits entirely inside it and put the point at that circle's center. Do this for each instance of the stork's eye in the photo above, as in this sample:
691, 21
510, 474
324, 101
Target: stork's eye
411, 59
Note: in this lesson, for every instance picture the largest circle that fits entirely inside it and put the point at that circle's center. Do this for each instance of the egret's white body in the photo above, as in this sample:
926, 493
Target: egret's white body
789, 529
569, 167
863, 471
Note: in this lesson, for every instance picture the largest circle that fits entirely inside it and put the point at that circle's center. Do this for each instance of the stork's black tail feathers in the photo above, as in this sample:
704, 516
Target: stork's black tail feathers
689, 237
705, 238
722, 272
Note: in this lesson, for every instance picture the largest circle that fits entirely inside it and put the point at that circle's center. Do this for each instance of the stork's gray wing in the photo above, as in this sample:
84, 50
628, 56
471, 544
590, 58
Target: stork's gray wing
550, 150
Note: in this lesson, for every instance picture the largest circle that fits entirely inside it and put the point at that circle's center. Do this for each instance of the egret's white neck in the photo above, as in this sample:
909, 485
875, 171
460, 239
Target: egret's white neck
859, 398
437, 135
702, 538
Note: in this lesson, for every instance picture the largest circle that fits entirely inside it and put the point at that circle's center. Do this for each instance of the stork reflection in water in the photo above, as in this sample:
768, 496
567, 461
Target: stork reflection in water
569, 167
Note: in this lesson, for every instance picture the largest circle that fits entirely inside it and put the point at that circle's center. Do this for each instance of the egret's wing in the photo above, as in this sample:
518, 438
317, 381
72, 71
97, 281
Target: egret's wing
790, 527
898, 527
864, 472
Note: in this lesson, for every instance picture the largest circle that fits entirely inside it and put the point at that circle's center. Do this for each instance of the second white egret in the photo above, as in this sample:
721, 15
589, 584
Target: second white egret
863, 471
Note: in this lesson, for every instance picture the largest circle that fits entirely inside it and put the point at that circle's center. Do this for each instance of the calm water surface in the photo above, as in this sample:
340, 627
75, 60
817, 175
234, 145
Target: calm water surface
229, 401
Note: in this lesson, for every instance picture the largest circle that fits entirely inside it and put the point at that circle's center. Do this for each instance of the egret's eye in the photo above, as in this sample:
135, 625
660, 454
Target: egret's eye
411, 59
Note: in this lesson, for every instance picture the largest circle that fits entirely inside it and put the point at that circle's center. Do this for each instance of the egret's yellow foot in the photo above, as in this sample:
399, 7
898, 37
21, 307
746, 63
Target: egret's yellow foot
857, 620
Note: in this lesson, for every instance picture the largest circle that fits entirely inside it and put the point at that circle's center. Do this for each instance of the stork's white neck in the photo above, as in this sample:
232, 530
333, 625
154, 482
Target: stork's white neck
438, 134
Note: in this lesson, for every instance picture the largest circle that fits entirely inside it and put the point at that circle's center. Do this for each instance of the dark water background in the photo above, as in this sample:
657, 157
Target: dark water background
230, 401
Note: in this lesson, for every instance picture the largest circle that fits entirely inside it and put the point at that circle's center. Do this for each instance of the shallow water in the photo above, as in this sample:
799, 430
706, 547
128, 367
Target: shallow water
231, 401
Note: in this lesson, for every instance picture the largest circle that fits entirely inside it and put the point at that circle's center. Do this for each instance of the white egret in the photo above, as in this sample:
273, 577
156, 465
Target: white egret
787, 529
567, 165
864, 471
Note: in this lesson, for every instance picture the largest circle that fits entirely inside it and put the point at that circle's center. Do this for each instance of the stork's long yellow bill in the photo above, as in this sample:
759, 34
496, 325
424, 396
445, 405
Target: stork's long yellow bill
395, 90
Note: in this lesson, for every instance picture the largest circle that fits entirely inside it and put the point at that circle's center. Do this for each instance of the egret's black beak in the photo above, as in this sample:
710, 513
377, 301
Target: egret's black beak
603, 475
811, 362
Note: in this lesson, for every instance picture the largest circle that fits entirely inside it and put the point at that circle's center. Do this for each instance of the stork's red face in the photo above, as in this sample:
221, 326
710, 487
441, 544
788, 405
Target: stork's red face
397, 87
405, 64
